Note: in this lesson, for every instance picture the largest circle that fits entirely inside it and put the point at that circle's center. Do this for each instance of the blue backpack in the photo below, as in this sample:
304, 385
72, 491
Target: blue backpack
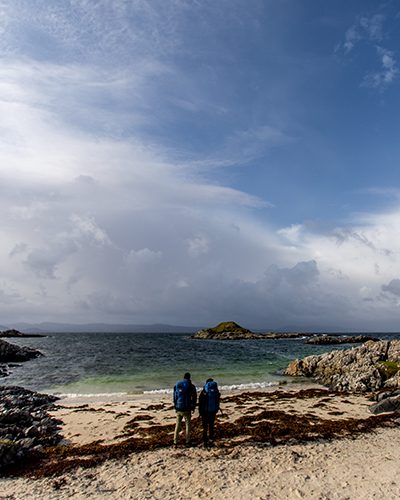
182, 395
211, 389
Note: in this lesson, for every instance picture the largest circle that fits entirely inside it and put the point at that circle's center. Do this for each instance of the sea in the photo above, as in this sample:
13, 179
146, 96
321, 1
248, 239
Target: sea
95, 364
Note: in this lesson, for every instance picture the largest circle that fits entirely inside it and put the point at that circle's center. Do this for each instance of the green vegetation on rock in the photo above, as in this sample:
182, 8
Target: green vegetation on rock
388, 369
228, 326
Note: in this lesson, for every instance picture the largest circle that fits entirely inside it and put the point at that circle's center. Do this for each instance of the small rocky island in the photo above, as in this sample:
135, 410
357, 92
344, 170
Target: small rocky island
12, 333
229, 330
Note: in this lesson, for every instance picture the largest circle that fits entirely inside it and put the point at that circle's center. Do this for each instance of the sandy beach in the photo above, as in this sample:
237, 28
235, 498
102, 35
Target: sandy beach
291, 442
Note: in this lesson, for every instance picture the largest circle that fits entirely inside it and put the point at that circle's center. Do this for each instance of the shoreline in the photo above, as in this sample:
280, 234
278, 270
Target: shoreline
273, 443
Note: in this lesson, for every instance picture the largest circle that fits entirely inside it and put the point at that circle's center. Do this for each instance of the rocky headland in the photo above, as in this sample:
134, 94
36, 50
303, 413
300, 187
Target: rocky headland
370, 367
11, 353
25, 424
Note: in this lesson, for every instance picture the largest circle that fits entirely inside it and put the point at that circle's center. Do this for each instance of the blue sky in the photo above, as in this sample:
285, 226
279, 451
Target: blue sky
196, 161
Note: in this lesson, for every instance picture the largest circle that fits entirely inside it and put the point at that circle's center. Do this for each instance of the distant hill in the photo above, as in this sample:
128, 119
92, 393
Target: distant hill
48, 327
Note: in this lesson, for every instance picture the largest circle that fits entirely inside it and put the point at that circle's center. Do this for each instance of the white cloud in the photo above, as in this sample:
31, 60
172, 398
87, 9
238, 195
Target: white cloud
351, 38
365, 28
373, 26
198, 246
388, 72
98, 222
370, 30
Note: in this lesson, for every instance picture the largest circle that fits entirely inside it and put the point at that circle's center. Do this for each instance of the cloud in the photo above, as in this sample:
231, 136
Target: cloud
388, 73
370, 30
106, 216
365, 28
392, 287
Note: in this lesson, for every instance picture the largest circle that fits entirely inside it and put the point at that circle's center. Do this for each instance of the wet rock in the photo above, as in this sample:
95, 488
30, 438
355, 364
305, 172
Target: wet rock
339, 339
10, 353
25, 424
368, 367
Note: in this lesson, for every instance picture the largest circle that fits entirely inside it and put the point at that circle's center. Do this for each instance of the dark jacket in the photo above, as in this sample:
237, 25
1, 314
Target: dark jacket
203, 402
192, 396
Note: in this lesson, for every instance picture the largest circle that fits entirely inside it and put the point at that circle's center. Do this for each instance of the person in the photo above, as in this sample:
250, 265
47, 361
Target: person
185, 399
209, 401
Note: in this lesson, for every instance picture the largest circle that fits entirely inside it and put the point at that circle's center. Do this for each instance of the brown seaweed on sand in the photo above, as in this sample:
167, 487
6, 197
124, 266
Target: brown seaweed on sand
265, 427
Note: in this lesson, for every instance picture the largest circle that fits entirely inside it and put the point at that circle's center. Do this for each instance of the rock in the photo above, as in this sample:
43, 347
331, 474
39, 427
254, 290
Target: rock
361, 369
15, 333
285, 335
13, 353
4, 371
228, 330
339, 339
386, 405
25, 425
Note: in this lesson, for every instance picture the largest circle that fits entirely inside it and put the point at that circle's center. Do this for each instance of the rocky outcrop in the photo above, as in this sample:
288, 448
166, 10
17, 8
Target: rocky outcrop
368, 367
285, 335
25, 425
10, 353
339, 339
17, 334
228, 330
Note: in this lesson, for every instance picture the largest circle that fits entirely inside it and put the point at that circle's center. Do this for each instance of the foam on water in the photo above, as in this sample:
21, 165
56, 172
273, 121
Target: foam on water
90, 395
231, 387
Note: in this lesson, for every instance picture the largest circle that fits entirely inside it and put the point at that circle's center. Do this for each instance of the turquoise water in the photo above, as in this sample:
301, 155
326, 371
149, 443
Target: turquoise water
100, 363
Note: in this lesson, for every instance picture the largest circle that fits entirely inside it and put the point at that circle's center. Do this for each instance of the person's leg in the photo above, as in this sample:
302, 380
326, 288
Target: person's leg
179, 417
211, 421
204, 421
188, 418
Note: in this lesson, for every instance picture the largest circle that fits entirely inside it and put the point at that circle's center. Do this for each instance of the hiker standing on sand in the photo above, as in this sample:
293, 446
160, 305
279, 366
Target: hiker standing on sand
208, 407
185, 399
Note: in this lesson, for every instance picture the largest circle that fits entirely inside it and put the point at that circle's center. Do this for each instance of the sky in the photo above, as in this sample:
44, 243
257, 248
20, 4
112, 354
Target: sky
196, 161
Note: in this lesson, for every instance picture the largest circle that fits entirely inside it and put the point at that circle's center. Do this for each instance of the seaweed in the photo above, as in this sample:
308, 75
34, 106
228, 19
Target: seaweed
267, 427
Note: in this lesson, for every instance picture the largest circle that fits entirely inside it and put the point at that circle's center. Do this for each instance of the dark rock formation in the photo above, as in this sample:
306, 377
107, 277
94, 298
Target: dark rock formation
369, 367
285, 335
339, 339
228, 330
17, 334
10, 353
25, 425
386, 405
